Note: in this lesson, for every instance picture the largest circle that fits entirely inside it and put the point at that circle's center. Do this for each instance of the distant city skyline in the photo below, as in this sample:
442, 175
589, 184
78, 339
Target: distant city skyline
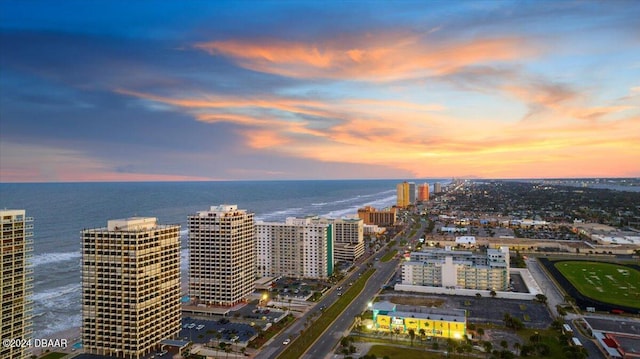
196, 91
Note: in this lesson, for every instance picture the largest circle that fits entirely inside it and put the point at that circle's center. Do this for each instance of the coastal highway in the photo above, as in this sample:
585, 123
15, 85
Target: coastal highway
340, 327
327, 341
333, 334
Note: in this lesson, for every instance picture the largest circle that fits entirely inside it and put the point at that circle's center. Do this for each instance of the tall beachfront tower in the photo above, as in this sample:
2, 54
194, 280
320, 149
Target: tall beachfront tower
423, 192
130, 287
412, 193
406, 193
297, 248
17, 245
437, 187
222, 255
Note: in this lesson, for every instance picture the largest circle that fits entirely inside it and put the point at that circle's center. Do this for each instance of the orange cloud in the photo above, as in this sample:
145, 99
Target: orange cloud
423, 137
366, 57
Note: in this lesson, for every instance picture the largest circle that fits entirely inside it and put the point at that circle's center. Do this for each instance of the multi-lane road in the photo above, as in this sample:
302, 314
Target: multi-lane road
324, 345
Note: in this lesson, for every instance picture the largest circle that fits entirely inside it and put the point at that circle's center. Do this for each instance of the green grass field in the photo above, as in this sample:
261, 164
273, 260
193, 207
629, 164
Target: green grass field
401, 352
606, 282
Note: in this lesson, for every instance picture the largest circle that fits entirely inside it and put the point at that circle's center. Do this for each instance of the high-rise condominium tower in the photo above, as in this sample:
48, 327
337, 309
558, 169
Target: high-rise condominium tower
130, 287
16, 281
222, 255
412, 193
423, 192
406, 193
297, 248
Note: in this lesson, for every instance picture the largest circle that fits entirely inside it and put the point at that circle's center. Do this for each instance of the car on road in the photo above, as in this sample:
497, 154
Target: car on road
191, 326
200, 327
286, 341
339, 294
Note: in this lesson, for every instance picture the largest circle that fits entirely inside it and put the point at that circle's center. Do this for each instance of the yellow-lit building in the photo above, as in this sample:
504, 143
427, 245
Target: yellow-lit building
406, 194
435, 322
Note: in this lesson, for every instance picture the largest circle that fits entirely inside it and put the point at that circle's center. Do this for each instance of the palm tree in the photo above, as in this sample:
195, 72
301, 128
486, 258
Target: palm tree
487, 347
493, 294
517, 347
480, 332
412, 335
423, 333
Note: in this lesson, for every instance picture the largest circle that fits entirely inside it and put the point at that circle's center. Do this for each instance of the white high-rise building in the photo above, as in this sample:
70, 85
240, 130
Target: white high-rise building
130, 287
222, 255
17, 278
297, 248
348, 237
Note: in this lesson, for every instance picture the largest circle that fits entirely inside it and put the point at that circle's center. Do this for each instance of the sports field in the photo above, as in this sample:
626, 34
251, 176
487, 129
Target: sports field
606, 282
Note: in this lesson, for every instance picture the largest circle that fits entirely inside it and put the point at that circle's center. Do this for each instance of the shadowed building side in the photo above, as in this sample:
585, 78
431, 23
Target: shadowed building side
130, 287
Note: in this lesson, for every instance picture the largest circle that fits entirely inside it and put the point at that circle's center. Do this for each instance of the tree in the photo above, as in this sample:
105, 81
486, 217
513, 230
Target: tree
412, 335
493, 294
478, 295
504, 344
541, 298
487, 347
516, 347
423, 333
480, 332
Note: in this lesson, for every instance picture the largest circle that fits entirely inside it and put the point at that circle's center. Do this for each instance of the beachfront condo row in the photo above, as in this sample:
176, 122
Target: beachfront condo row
17, 281
458, 269
130, 287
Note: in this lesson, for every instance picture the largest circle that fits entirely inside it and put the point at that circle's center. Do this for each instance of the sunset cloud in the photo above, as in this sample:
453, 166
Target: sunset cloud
367, 57
506, 89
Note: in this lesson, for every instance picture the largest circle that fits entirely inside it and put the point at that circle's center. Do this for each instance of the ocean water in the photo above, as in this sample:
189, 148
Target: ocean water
62, 210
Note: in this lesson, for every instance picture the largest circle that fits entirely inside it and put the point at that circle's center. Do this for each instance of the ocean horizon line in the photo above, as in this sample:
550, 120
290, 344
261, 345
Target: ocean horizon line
334, 179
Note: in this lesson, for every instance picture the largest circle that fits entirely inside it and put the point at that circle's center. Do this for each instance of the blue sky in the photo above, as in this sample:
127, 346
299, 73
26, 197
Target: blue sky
148, 90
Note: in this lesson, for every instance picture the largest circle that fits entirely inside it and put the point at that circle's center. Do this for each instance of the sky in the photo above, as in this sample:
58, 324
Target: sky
279, 90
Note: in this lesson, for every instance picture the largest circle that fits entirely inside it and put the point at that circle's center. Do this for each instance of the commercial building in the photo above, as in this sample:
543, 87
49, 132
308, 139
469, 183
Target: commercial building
348, 237
426, 321
130, 287
423, 192
382, 218
222, 255
458, 269
17, 281
437, 187
297, 248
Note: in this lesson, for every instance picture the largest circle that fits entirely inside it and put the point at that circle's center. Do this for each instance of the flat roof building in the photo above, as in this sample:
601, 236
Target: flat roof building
458, 269
431, 321
348, 237
17, 281
130, 287
383, 218
297, 248
222, 255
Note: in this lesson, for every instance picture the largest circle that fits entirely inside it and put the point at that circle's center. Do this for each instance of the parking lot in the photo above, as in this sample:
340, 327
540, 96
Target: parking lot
204, 331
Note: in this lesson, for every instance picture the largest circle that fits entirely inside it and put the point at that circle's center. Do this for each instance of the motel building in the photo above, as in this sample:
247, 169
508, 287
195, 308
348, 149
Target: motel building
436, 323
